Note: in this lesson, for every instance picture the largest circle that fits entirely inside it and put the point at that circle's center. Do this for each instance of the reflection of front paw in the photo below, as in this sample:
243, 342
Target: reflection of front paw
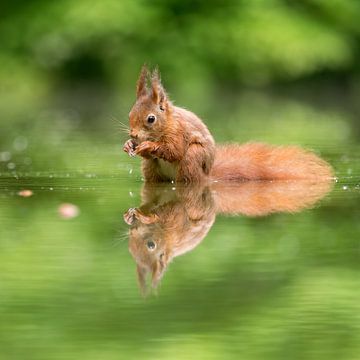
129, 147
130, 216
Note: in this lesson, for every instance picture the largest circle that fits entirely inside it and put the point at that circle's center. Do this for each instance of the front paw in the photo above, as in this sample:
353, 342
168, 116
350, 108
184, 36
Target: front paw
146, 149
129, 147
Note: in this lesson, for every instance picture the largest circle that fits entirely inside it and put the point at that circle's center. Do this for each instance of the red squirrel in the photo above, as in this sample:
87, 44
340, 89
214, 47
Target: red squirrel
175, 145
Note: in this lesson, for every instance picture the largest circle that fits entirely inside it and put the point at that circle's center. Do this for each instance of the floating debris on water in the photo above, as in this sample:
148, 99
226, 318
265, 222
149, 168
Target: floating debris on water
68, 211
90, 176
5, 156
11, 166
27, 161
345, 187
25, 193
345, 158
20, 143
131, 193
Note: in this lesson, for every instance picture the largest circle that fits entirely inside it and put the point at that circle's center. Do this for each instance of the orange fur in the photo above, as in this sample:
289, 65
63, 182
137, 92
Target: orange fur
178, 146
261, 198
256, 161
176, 221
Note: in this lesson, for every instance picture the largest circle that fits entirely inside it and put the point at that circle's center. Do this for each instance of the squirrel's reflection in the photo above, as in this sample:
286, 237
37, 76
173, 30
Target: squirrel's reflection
172, 221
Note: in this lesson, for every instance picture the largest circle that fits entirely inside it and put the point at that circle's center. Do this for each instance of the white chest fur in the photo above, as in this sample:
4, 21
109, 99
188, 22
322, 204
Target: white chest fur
167, 169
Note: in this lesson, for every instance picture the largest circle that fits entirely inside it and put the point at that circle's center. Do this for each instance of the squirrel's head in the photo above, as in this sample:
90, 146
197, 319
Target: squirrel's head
151, 112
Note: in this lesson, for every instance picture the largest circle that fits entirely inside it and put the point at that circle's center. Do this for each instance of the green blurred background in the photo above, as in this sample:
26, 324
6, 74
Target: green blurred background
281, 71
274, 70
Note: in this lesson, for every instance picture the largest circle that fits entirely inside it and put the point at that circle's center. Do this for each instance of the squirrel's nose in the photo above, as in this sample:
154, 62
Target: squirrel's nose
134, 134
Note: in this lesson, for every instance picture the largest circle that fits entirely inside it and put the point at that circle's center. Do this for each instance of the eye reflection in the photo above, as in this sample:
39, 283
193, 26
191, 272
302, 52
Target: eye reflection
151, 245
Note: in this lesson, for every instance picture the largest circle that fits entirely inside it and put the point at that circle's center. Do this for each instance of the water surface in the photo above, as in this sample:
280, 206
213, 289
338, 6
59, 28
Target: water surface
258, 271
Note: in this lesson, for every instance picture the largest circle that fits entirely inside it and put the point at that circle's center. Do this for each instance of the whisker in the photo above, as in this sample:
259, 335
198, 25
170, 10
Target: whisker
126, 131
123, 124
120, 126
121, 237
119, 122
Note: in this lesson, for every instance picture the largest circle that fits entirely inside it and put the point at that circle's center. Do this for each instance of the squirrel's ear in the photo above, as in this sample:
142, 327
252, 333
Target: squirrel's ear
141, 89
158, 93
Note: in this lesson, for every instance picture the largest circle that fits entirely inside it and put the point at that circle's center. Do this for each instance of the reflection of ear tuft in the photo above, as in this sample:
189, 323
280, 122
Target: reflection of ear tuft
141, 275
158, 93
141, 88
158, 271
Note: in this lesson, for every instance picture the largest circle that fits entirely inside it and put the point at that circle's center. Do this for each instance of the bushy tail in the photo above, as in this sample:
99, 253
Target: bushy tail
256, 161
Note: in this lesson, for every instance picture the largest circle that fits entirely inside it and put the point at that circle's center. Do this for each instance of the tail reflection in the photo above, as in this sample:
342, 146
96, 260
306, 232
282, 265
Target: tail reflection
171, 222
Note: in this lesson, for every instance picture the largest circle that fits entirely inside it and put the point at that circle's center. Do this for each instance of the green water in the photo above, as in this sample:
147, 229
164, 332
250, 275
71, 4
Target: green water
277, 286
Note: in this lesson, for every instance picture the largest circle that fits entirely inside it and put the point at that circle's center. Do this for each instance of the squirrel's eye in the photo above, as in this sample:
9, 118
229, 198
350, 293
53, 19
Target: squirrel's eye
151, 118
151, 245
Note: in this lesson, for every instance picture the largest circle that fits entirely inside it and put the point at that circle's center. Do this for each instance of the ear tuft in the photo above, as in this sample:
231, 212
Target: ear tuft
141, 88
158, 93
